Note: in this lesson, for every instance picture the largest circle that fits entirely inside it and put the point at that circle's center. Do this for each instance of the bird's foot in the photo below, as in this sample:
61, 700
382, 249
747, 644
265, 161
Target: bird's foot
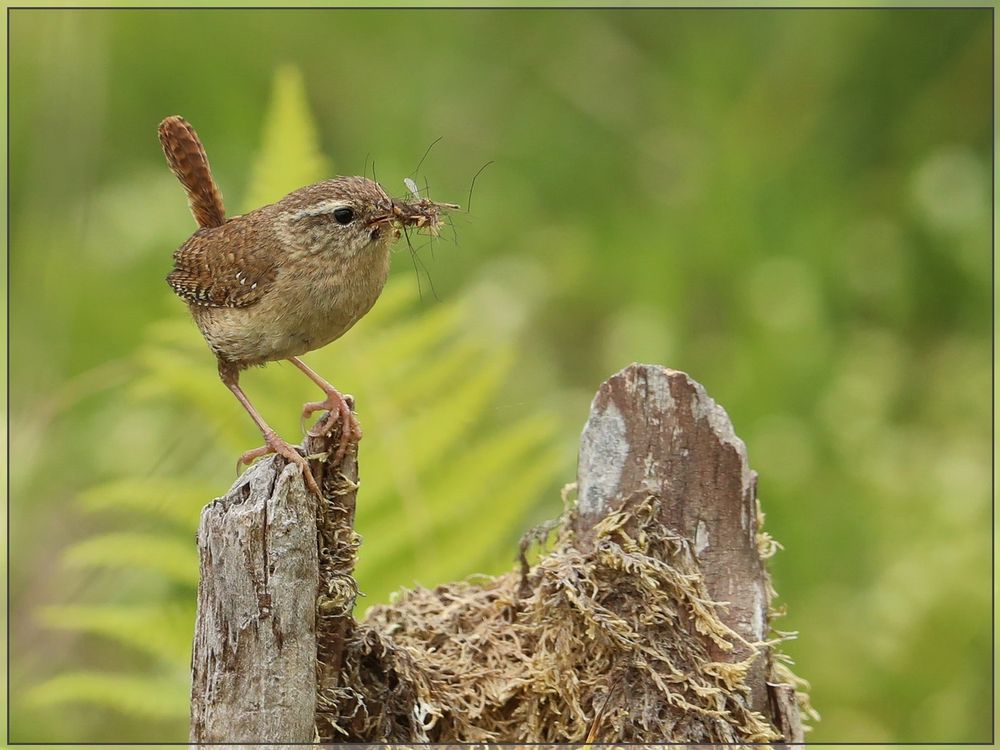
338, 408
274, 444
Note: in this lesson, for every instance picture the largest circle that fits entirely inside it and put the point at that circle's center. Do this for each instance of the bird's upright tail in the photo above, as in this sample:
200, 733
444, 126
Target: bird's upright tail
187, 159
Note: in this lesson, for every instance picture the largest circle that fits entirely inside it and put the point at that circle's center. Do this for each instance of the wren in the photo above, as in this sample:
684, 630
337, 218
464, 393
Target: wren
286, 278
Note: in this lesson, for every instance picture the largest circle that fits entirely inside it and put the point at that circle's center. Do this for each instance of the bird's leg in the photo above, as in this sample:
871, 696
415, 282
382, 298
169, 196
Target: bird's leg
338, 407
274, 444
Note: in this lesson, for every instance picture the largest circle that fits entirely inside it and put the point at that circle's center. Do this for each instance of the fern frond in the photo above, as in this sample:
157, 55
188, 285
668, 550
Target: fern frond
174, 379
162, 630
175, 500
290, 157
439, 375
484, 545
400, 344
436, 429
171, 557
143, 697
502, 515
415, 444
452, 498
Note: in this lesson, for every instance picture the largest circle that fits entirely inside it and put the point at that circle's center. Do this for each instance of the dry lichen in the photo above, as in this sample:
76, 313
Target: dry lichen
609, 645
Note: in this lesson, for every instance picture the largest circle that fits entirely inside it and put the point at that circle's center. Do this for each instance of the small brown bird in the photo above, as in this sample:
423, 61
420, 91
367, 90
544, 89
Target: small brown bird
287, 278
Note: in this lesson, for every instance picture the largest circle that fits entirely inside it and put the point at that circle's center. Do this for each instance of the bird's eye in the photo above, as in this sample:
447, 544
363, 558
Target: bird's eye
344, 215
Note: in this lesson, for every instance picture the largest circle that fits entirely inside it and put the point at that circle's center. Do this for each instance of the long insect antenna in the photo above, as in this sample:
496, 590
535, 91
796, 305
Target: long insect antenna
430, 280
420, 163
454, 232
413, 259
419, 265
374, 177
427, 273
468, 204
364, 169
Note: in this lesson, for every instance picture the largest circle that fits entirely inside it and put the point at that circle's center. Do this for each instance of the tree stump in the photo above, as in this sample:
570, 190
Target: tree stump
646, 621
654, 431
275, 580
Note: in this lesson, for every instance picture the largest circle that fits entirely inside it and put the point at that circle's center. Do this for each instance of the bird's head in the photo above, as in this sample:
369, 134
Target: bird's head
351, 215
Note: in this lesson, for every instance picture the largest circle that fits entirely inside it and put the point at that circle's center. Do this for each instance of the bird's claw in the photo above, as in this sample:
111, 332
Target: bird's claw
274, 444
339, 409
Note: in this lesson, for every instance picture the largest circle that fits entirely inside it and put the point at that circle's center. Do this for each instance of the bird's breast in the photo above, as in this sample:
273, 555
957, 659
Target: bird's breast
329, 298
310, 304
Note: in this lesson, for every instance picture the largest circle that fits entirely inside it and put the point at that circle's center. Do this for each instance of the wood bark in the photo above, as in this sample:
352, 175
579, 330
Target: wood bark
254, 659
655, 431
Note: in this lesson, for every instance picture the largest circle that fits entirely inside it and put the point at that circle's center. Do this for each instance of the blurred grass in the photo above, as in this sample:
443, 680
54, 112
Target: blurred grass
792, 206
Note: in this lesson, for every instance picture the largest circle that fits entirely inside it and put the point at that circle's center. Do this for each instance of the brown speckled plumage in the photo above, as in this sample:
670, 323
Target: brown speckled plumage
285, 278
186, 157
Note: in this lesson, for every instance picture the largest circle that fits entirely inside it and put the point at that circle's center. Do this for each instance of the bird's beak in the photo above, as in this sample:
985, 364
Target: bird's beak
376, 223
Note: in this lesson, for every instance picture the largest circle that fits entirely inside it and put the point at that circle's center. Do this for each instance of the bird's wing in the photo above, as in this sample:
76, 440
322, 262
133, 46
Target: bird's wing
222, 267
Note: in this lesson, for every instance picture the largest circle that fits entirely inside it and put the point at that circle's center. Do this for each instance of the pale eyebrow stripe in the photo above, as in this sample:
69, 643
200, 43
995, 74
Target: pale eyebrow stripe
321, 208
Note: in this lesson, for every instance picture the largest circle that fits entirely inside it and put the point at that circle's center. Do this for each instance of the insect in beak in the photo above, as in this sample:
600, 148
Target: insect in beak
420, 213
376, 224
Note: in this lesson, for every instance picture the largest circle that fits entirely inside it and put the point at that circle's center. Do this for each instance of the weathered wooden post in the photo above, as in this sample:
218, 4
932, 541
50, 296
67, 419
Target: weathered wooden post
656, 432
647, 621
265, 548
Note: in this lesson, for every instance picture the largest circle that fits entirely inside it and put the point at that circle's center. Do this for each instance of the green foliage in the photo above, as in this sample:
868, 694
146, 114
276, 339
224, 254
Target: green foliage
424, 382
176, 500
160, 629
291, 156
171, 558
793, 207
143, 696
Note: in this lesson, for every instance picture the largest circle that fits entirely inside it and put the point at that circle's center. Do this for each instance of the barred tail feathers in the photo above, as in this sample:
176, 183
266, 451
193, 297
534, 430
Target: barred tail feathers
186, 157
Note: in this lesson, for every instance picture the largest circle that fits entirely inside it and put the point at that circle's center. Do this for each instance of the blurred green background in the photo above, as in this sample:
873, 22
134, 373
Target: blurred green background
792, 206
